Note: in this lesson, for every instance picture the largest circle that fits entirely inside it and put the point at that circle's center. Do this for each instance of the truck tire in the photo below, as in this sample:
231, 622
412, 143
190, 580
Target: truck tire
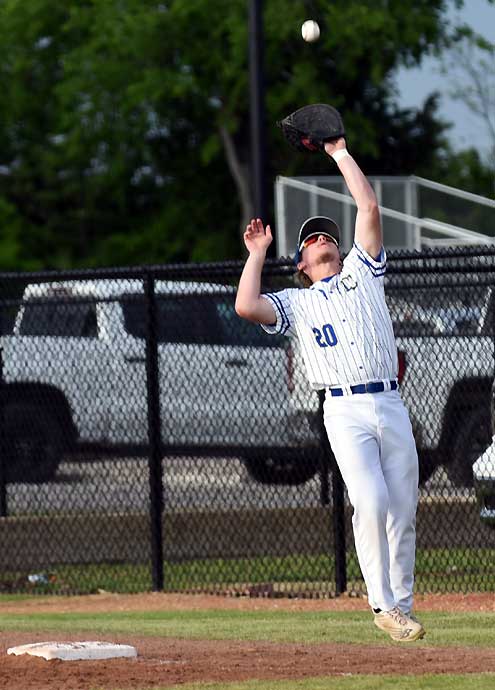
471, 439
427, 465
290, 468
33, 443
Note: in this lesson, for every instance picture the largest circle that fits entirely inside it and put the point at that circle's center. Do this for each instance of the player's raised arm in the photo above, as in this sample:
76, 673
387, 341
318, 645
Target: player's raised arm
249, 304
368, 226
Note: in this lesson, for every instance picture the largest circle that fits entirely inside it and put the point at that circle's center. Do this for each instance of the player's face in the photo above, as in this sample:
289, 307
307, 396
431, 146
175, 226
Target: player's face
317, 247
319, 253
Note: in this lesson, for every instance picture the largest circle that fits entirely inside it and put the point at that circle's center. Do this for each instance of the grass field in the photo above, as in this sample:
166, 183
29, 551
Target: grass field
437, 570
427, 682
474, 630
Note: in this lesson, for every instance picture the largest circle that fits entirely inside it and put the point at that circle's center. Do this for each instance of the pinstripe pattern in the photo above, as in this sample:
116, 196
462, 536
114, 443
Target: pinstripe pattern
342, 323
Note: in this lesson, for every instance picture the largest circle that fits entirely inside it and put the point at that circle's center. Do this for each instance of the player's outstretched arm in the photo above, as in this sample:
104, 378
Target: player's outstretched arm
368, 226
249, 304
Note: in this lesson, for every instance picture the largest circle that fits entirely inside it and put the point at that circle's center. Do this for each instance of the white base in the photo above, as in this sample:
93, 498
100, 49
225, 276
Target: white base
70, 651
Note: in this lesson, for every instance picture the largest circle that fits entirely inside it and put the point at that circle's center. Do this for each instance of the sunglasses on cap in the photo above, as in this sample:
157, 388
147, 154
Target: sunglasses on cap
312, 239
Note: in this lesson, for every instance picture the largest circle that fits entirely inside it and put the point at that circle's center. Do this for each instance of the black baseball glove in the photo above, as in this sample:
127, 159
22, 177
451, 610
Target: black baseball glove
308, 128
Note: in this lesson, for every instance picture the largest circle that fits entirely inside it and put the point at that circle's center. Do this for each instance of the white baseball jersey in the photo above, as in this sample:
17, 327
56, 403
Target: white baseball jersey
342, 323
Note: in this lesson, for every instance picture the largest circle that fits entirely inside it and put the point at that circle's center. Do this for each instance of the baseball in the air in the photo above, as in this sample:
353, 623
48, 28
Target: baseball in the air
310, 31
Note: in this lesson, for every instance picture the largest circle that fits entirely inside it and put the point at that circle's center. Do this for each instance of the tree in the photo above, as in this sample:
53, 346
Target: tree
464, 170
471, 69
126, 128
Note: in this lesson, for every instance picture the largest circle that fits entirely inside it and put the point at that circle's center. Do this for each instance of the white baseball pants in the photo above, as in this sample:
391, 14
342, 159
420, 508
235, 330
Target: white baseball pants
372, 440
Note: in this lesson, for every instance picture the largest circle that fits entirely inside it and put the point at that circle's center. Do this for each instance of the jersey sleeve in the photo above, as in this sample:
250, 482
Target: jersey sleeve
281, 302
365, 264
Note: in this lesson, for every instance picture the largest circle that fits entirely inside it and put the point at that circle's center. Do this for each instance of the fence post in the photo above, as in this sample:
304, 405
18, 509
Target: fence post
339, 529
154, 434
338, 505
3, 445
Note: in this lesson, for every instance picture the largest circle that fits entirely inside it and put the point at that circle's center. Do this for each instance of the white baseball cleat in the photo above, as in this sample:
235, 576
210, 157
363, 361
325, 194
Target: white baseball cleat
413, 618
399, 626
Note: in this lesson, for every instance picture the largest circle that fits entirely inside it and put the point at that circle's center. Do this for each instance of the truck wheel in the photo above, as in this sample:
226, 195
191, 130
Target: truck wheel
427, 465
291, 469
33, 443
471, 440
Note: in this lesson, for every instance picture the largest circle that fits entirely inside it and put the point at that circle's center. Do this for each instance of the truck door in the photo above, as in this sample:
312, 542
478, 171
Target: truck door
57, 345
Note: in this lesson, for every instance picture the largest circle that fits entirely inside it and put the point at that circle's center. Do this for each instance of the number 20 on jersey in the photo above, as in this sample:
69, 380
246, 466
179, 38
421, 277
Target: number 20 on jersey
326, 337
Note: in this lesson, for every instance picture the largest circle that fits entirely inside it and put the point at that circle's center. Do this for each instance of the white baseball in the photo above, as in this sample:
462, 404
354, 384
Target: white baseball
310, 31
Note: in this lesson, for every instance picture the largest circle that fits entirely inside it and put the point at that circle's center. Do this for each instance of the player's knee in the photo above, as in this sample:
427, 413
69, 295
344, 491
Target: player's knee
372, 506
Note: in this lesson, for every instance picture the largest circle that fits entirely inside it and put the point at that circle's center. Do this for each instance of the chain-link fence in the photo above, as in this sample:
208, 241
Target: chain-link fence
151, 439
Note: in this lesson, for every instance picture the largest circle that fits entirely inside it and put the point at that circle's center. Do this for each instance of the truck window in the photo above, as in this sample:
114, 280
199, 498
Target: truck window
196, 319
180, 319
441, 317
59, 319
238, 331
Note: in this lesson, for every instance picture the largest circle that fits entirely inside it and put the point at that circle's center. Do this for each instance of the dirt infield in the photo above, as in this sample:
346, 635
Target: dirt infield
169, 662
156, 601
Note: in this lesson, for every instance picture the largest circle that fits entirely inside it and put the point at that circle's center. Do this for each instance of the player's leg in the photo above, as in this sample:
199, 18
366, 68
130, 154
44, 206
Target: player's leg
400, 470
352, 430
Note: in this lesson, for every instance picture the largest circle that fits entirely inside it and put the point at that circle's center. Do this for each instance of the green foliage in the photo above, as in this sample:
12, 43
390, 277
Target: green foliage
464, 169
112, 113
13, 228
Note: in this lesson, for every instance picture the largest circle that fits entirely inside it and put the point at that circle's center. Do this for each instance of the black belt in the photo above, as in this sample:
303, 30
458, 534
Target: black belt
370, 387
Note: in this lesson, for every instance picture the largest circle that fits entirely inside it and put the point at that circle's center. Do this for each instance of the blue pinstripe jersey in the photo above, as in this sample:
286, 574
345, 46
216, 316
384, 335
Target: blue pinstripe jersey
342, 323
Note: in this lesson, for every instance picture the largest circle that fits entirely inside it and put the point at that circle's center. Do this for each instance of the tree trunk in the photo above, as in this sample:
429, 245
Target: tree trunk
240, 174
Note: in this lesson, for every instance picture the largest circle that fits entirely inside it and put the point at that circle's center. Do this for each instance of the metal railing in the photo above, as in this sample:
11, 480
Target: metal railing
414, 226
412, 230
453, 191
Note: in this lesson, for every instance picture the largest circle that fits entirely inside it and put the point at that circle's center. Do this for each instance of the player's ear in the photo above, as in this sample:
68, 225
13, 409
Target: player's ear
301, 266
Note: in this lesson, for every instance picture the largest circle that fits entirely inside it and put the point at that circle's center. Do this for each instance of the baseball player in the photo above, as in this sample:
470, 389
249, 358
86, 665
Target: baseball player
347, 341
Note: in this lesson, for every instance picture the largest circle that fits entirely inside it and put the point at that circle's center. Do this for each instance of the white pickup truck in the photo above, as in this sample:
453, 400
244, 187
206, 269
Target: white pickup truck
74, 378
449, 352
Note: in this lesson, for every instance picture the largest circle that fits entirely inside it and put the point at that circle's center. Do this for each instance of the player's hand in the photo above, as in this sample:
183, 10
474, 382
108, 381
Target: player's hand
332, 146
257, 238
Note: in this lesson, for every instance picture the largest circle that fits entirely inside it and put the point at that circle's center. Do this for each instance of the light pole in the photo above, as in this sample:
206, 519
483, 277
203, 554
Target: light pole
257, 109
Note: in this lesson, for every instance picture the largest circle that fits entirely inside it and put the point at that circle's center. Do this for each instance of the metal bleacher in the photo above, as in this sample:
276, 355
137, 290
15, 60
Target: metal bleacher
416, 213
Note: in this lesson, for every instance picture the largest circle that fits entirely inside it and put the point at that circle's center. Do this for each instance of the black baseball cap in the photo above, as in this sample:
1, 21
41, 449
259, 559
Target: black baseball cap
316, 225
